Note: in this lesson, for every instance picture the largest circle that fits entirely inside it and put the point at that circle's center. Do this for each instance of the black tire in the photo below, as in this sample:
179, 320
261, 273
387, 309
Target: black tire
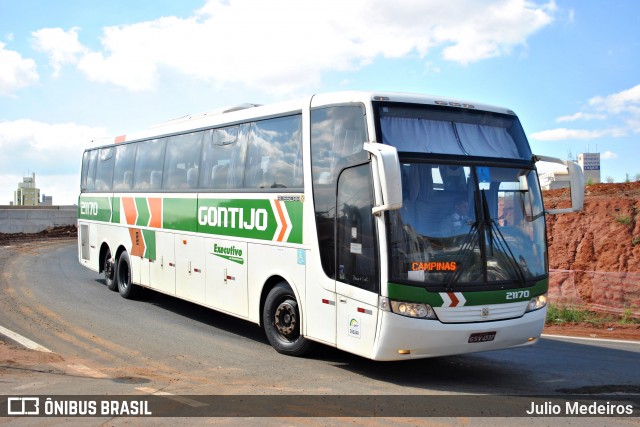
281, 320
109, 268
123, 277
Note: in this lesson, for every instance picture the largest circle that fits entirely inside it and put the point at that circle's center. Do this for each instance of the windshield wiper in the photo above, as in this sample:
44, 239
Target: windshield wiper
497, 245
466, 250
497, 241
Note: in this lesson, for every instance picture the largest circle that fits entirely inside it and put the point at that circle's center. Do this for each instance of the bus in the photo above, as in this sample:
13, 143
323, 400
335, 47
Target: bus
392, 226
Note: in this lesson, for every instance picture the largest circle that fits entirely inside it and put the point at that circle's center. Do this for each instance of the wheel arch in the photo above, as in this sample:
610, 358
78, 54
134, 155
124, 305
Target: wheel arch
102, 255
271, 283
119, 251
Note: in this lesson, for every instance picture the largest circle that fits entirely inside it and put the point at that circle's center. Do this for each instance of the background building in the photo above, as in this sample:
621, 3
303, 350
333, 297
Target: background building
590, 165
27, 193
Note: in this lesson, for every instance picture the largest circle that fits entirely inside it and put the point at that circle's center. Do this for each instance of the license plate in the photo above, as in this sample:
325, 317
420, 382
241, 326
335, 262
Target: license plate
482, 337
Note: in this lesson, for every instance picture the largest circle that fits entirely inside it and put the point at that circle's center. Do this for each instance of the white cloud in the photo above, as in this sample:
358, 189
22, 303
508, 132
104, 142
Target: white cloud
581, 116
621, 110
609, 155
487, 30
561, 134
624, 101
15, 71
48, 150
43, 148
61, 46
282, 45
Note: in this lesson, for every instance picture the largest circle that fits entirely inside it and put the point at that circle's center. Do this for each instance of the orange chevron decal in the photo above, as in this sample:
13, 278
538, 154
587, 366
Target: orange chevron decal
130, 211
155, 206
454, 299
137, 242
282, 220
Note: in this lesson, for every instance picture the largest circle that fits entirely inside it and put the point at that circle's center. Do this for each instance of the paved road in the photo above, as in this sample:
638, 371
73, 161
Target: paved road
103, 343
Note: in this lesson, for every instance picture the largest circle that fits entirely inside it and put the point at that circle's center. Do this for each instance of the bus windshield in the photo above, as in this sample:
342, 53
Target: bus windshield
472, 212
468, 225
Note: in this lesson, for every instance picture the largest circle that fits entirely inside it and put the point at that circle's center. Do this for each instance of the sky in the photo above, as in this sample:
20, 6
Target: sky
73, 72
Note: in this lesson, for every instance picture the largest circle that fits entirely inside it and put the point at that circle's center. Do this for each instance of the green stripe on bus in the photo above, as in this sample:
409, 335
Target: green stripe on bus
149, 237
252, 219
143, 212
295, 213
263, 219
95, 208
418, 294
180, 214
115, 209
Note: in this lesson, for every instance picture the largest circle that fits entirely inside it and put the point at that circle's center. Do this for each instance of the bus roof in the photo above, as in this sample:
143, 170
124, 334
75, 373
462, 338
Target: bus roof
248, 111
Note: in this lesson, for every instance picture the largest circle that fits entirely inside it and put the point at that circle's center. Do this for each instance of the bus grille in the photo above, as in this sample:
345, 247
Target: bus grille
480, 313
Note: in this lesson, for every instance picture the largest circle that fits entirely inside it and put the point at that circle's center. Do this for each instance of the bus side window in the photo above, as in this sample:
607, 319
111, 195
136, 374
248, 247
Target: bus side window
149, 163
274, 155
123, 171
85, 171
223, 158
90, 177
104, 171
182, 159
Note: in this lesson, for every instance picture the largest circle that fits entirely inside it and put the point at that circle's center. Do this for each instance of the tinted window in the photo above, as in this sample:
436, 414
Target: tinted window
357, 253
85, 170
149, 163
223, 158
90, 177
181, 167
104, 172
123, 173
337, 138
428, 129
274, 155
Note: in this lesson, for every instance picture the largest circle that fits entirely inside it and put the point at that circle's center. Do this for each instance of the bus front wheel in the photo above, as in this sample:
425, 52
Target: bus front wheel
281, 319
123, 277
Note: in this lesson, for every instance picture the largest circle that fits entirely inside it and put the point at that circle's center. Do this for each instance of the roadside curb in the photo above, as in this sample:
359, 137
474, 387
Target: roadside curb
590, 339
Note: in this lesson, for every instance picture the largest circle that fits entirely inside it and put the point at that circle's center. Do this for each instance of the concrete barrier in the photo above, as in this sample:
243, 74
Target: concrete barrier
34, 219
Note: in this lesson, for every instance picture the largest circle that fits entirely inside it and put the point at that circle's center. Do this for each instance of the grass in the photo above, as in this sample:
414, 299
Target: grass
623, 219
560, 315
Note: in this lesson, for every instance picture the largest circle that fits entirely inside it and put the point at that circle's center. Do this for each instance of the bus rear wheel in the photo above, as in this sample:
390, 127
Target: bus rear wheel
123, 277
109, 268
281, 320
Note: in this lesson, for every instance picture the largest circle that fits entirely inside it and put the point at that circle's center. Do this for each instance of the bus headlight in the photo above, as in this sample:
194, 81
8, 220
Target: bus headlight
413, 309
537, 303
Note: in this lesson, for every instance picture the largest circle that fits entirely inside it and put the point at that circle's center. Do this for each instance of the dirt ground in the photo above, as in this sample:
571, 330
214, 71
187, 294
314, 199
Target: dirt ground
65, 232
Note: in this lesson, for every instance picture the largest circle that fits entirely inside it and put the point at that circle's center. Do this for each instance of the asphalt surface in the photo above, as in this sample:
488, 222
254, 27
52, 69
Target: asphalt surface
103, 344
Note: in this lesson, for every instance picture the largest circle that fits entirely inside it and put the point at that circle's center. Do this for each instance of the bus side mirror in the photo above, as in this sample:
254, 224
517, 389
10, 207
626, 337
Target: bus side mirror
388, 183
576, 183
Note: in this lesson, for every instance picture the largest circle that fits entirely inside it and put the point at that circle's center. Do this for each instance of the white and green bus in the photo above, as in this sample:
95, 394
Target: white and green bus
392, 226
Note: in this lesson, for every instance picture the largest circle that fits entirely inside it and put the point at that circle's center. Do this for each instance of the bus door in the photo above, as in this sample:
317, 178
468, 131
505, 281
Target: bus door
357, 270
